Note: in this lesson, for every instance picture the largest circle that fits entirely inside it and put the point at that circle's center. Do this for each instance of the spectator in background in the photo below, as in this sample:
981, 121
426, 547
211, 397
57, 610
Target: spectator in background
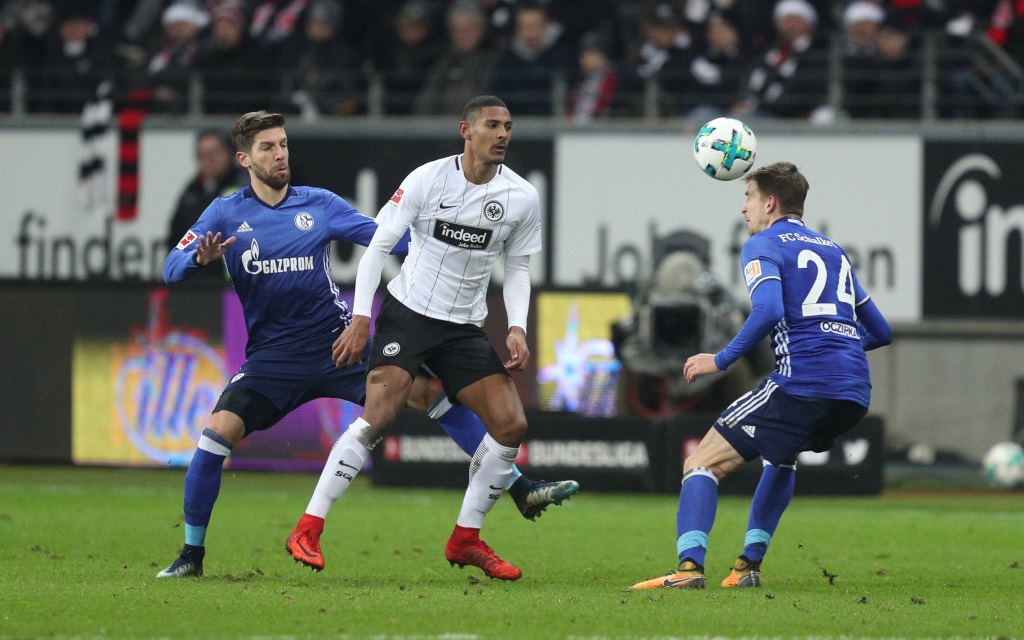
791, 78
79, 57
277, 34
528, 65
26, 27
593, 94
1005, 28
141, 26
326, 78
899, 69
500, 21
217, 175
718, 70
231, 81
170, 67
411, 49
753, 20
665, 57
875, 78
465, 70
577, 18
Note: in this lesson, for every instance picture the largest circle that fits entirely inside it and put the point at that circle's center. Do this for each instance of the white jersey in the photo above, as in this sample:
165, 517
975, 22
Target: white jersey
457, 231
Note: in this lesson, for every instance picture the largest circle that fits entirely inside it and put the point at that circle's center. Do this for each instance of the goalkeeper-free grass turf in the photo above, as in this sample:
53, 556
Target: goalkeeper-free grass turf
79, 549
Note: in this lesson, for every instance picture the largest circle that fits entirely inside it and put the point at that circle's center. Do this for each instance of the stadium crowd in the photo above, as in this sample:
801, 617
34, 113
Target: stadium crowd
580, 59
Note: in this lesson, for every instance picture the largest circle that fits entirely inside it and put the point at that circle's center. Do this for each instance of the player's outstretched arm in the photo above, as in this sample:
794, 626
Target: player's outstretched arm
183, 260
348, 225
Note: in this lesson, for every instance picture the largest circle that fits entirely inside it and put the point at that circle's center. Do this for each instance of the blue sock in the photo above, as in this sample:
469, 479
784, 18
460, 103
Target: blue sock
465, 428
698, 502
771, 498
202, 485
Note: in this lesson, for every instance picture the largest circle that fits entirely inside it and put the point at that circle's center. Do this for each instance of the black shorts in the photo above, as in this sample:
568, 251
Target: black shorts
458, 354
770, 423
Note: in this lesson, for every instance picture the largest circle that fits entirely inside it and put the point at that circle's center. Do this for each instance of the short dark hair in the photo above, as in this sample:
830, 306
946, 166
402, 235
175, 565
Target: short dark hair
246, 128
473, 108
783, 181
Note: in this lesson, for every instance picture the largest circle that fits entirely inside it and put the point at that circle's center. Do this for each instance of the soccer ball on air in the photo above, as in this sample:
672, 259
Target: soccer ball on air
1003, 465
725, 148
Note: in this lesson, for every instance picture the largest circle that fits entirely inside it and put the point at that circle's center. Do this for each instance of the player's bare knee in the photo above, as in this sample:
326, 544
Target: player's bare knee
510, 433
227, 425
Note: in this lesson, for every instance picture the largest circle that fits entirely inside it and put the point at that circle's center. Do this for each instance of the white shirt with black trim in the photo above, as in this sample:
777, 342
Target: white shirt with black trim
457, 231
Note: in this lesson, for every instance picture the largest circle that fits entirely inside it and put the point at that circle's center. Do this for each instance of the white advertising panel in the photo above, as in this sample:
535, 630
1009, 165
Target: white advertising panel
61, 228
616, 195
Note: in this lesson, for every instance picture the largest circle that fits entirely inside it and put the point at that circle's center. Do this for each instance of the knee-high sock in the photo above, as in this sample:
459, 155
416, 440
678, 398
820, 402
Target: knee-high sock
488, 472
698, 502
345, 461
202, 484
464, 427
774, 491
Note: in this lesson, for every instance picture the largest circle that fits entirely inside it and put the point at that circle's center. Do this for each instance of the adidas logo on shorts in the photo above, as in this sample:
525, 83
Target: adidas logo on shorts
748, 429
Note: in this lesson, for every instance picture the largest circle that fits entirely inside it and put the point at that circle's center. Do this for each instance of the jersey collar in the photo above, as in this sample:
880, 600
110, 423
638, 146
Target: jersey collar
248, 192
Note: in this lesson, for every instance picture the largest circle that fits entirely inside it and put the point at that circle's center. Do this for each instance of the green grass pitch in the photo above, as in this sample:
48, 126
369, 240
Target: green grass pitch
79, 549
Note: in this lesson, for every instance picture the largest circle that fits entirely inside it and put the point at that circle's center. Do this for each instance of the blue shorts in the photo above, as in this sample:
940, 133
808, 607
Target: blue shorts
770, 423
288, 381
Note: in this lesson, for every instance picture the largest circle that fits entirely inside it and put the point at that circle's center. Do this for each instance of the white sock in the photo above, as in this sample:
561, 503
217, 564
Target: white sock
488, 473
346, 459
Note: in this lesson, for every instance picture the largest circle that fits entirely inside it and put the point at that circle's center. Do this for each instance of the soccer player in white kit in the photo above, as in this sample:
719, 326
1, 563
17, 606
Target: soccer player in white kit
463, 212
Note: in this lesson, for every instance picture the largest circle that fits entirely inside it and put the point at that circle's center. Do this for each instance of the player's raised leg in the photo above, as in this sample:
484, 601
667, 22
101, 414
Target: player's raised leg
495, 399
202, 486
774, 491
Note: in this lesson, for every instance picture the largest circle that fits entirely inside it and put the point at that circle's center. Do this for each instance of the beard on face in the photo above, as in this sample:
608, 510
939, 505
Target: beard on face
271, 179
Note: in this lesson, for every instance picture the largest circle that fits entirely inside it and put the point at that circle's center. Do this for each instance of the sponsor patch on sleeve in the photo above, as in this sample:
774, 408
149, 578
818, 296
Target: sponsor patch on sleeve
397, 197
187, 239
752, 271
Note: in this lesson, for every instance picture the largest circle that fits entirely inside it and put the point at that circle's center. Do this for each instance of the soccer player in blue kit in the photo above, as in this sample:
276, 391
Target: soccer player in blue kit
805, 294
275, 240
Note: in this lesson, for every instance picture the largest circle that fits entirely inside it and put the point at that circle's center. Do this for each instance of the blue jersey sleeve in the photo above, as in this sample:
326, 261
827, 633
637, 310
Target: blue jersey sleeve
180, 263
766, 312
874, 328
761, 263
345, 223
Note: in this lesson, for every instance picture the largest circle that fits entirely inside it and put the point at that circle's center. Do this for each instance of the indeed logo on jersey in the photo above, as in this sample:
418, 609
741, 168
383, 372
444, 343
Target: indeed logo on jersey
462, 236
252, 264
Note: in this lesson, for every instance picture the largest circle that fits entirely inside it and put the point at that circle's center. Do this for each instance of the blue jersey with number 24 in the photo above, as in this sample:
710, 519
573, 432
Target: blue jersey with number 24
818, 349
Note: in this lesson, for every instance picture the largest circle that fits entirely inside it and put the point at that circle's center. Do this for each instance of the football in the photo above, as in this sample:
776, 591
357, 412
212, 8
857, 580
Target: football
1003, 465
725, 148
